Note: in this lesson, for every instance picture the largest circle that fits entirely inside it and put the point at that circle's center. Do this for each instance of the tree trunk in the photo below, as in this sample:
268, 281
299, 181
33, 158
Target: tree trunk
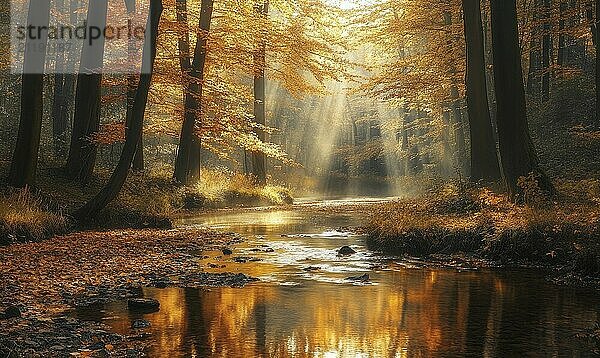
596, 40
118, 177
562, 39
533, 85
546, 50
454, 103
138, 159
517, 152
187, 165
259, 161
25, 156
82, 153
59, 125
484, 157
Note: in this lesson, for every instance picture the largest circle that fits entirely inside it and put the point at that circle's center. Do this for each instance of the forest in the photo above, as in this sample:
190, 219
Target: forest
323, 178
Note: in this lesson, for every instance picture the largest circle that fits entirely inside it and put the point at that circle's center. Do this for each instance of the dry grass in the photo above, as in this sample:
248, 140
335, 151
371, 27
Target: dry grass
482, 222
22, 217
220, 187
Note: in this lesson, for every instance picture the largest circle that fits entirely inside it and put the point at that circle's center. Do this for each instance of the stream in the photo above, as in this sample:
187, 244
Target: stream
305, 306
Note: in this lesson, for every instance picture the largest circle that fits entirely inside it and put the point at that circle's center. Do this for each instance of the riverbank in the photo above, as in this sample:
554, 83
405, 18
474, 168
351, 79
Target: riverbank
42, 281
147, 200
562, 234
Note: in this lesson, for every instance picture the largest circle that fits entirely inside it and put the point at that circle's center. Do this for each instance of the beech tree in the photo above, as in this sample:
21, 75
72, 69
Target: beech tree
518, 155
484, 157
25, 156
259, 160
110, 191
187, 164
86, 121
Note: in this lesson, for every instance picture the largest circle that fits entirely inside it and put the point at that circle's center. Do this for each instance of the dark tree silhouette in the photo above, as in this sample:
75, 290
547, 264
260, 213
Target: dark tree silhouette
187, 165
86, 121
119, 175
25, 156
518, 155
259, 161
484, 157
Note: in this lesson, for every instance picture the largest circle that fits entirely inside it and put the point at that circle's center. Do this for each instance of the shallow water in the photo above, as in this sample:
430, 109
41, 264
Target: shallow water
304, 306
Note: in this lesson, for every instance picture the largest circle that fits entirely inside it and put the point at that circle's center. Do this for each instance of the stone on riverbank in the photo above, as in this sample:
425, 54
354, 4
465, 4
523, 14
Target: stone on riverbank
140, 323
148, 305
11, 312
346, 251
361, 278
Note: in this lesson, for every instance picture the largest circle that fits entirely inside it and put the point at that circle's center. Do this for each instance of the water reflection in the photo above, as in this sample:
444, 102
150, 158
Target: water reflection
404, 313
415, 313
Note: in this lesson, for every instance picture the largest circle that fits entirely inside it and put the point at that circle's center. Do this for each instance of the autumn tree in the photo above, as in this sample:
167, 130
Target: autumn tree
110, 191
82, 151
259, 165
518, 155
25, 157
484, 158
187, 164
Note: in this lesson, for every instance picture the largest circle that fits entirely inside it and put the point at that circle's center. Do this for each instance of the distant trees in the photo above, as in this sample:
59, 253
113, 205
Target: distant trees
25, 157
517, 151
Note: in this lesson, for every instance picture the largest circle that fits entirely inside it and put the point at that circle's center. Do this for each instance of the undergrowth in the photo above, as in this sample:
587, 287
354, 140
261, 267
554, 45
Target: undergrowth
23, 218
482, 222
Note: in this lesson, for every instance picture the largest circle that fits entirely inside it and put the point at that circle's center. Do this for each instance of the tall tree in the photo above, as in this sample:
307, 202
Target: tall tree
484, 157
119, 175
595, 28
533, 83
59, 118
188, 162
25, 156
546, 49
138, 159
517, 152
259, 160
86, 121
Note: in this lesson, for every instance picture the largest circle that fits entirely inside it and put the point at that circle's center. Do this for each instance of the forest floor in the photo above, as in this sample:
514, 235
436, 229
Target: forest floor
42, 281
561, 233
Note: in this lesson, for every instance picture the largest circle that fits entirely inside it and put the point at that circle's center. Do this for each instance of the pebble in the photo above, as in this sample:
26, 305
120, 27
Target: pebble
346, 251
140, 323
143, 304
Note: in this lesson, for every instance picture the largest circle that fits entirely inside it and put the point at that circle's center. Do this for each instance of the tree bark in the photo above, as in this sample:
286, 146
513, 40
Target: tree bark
518, 155
562, 38
533, 85
546, 50
484, 156
82, 152
596, 40
25, 156
62, 91
454, 103
259, 161
187, 165
119, 175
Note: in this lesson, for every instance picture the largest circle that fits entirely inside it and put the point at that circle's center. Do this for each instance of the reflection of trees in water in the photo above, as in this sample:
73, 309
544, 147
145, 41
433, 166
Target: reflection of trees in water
415, 313
197, 341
